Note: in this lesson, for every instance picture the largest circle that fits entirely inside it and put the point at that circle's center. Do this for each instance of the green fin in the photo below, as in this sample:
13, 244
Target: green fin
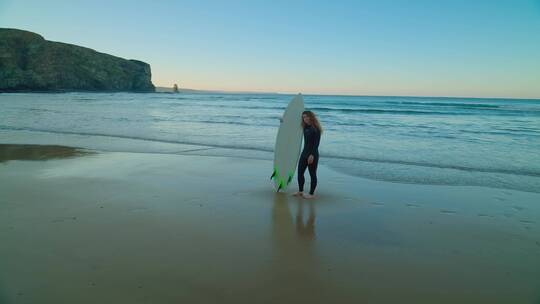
290, 178
280, 185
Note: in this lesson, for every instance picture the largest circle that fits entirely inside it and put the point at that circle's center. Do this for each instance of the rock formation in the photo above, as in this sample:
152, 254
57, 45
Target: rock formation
28, 62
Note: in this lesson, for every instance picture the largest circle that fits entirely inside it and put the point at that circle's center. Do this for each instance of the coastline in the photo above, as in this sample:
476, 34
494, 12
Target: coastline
146, 227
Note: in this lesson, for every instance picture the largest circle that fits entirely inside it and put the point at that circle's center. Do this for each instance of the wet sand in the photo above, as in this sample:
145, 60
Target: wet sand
38, 152
155, 228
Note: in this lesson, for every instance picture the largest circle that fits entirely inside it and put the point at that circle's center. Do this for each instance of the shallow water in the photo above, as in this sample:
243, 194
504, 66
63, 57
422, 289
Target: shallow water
448, 141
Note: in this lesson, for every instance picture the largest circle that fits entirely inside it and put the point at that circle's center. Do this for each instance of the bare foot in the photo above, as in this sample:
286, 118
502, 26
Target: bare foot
309, 196
298, 193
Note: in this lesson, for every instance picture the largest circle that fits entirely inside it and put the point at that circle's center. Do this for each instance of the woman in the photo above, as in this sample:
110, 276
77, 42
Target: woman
310, 154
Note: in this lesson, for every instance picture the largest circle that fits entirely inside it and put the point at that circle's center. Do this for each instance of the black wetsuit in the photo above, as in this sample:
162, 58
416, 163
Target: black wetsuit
312, 137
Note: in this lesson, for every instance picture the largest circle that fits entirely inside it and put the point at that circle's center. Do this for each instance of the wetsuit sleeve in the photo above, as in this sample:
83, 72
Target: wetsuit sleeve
317, 140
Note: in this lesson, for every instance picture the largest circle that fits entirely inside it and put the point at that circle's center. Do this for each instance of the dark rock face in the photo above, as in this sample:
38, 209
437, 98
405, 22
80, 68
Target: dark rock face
28, 62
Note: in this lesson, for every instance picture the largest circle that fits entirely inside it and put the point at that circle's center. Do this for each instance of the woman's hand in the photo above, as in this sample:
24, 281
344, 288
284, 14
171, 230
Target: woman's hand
310, 159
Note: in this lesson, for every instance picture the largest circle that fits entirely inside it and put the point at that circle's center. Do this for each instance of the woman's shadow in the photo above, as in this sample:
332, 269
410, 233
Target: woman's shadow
305, 230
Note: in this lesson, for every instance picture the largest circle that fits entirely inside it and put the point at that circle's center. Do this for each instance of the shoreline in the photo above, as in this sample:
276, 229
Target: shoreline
143, 227
489, 179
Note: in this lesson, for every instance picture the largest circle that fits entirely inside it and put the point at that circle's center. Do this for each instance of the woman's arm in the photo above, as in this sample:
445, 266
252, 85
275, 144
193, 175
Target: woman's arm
317, 140
314, 146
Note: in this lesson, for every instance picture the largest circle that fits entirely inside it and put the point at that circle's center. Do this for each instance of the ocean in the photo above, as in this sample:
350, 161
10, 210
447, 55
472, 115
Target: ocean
427, 140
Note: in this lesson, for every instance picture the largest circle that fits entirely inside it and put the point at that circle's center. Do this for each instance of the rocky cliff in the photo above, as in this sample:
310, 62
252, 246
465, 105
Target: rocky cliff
28, 62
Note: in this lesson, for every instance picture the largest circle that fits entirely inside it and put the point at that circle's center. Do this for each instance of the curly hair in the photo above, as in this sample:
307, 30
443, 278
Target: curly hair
314, 121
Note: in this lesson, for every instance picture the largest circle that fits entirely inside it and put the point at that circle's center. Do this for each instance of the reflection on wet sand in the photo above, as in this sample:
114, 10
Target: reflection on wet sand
295, 260
305, 230
37, 152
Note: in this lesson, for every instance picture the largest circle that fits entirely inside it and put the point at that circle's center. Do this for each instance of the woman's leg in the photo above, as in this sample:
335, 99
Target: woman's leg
302, 166
313, 174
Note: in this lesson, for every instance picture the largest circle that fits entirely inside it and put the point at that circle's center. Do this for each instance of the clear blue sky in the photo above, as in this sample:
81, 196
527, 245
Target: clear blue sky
430, 48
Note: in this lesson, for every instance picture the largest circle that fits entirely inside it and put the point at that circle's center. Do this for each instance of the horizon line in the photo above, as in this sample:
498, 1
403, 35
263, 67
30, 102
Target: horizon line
338, 94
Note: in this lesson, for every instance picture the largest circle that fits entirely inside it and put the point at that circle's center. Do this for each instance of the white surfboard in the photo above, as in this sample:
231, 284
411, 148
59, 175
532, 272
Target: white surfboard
288, 144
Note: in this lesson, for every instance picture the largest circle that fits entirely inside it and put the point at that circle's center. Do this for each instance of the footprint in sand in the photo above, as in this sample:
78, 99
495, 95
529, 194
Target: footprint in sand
448, 211
140, 209
240, 193
194, 201
64, 218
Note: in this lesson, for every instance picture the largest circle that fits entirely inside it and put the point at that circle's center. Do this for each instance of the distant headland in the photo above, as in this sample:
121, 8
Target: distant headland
29, 63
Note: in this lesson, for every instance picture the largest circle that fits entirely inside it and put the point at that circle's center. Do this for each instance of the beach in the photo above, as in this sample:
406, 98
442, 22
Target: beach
91, 226
152, 152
